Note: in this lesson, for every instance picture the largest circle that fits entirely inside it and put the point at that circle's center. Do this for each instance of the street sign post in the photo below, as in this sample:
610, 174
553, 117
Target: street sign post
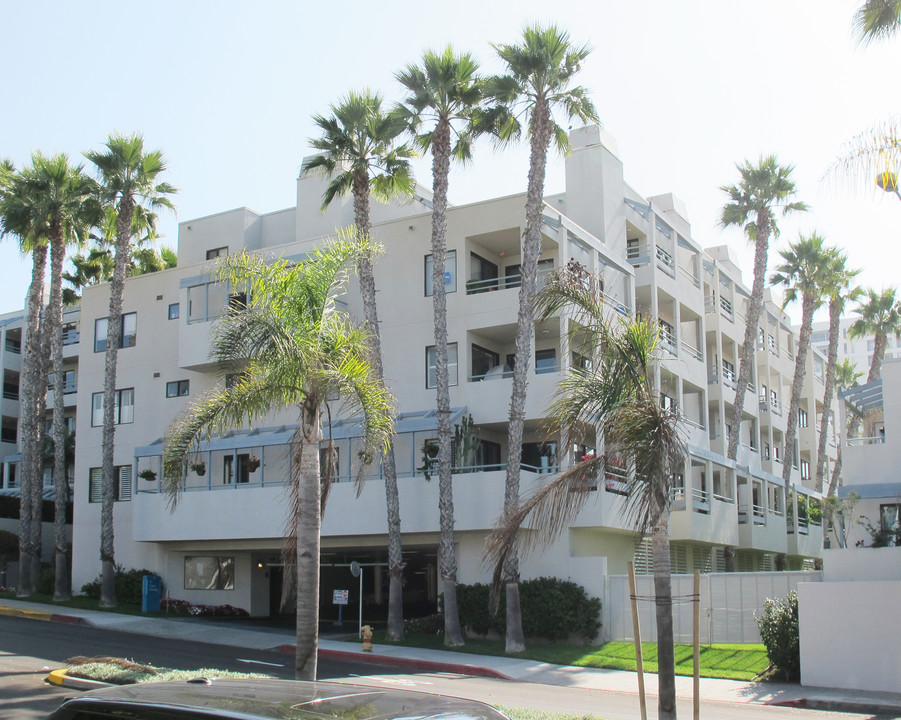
340, 598
357, 571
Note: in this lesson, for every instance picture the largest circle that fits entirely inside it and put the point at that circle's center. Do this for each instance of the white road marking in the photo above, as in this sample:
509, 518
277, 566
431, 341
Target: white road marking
259, 662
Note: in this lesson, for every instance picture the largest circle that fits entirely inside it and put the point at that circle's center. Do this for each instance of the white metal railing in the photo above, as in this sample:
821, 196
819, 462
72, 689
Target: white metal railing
776, 405
696, 281
668, 341
665, 260
474, 287
723, 498
70, 337
689, 421
876, 440
726, 308
692, 351
709, 303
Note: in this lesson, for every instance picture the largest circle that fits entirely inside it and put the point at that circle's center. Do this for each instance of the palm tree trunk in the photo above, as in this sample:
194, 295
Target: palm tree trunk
748, 349
29, 420
836, 472
808, 306
37, 488
835, 305
309, 524
389, 465
453, 632
62, 584
879, 343
663, 592
113, 338
540, 132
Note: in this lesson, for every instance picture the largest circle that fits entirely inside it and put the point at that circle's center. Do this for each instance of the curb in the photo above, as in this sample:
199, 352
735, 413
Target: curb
59, 677
408, 663
42, 615
841, 706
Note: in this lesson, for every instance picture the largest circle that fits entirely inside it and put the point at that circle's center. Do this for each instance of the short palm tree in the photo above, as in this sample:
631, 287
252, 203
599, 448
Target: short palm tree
846, 376
840, 287
615, 393
128, 176
63, 199
295, 348
763, 189
360, 152
442, 104
804, 274
880, 316
538, 80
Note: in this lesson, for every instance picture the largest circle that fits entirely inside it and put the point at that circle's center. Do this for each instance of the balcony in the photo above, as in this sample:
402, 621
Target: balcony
702, 516
666, 262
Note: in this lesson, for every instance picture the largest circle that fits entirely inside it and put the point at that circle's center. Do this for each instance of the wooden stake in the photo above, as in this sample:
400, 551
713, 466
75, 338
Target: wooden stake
697, 643
636, 631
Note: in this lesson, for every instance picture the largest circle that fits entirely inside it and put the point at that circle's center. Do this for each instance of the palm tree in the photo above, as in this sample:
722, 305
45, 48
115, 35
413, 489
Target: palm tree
846, 376
538, 81
840, 288
615, 393
63, 199
442, 108
804, 273
295, 348
128, 184
880, 315
877, 20
763, 188
359, 151
17, 218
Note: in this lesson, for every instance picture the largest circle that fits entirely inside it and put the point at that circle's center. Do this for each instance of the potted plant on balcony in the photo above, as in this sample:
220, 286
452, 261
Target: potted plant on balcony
253, 463
429, 458
199, 467
147, 474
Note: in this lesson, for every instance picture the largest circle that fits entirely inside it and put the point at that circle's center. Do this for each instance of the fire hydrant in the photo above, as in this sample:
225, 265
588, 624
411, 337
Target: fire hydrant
367, 638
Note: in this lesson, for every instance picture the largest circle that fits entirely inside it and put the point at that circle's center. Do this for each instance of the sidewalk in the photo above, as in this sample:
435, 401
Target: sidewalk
418, 659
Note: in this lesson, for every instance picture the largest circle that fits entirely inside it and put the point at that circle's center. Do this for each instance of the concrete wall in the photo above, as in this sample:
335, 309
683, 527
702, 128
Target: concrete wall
862, 564
850, 637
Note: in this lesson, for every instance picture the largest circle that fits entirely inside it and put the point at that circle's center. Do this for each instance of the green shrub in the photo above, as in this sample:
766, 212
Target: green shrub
129, 586
780, 634
551, 608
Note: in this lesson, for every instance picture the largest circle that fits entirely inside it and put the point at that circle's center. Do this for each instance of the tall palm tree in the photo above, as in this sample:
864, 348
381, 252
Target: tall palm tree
840, 288
538, 81
295, 348
360, 153
846, 376
17, 219
128, 176
615, 393
63, 199
442, 104
877, 20
753, 202
804, 274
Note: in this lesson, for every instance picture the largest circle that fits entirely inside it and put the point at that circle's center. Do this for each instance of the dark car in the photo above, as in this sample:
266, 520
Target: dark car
266, 699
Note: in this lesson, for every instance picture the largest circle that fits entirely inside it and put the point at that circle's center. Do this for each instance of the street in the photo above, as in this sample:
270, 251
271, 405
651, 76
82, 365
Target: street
29, 649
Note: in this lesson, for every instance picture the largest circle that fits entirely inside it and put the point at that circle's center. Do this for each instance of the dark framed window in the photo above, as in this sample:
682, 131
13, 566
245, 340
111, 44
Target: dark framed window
129, 336
122, 487
174, 311
177, 388
545, 361
482, 275
125, 407
217, 252
450, 273
431, 373
483, 361
228, 469
203, 572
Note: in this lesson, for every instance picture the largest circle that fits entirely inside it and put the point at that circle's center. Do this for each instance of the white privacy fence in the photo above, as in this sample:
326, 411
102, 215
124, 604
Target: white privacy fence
728, 604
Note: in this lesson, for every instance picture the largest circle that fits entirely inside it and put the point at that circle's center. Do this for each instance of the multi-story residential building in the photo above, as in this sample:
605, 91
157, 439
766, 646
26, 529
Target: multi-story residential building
221, 544
859, 350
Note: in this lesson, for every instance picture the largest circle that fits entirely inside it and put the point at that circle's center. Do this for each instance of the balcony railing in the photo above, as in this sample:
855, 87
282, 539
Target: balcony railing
696, 281
692, 351
726, 308
13, 346
70, 337
665, 261
709, 303
700, 499
474, 287
757, 515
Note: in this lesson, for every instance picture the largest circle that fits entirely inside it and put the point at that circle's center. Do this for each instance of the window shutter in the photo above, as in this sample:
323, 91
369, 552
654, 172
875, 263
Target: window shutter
124, 482
96, 485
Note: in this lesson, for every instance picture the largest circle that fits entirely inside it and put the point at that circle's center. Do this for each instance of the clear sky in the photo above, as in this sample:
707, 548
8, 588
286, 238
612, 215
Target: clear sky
226, 89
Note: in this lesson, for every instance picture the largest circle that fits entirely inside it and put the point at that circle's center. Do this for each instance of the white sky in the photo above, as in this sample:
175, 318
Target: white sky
687, 88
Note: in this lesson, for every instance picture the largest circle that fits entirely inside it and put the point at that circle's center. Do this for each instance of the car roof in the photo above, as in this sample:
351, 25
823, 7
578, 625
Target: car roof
269, 699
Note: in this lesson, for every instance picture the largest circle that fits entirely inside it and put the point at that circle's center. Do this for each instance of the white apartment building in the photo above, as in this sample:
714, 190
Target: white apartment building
859, 351
222, 542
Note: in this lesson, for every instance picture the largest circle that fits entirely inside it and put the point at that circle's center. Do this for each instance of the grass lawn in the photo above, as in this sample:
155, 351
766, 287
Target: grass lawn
735, 662
80, 602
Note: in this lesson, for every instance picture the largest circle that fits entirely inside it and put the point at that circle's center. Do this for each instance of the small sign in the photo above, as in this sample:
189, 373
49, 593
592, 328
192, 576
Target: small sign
340, 597
447, 277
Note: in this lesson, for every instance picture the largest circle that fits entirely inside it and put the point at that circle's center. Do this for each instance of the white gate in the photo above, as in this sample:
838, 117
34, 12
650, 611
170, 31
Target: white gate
728, 604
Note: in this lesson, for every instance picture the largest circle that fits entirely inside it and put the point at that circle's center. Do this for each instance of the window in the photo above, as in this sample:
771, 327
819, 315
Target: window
70, 333
513, 273
207, 301
545, 361
890, 522
802, 418
871, 345
766, 451
9, 429
450, 272
228, 468
204, 572
805, 470
431, 377
129, 332
667, 402
124, 412
632, 249
483, 361
174, 309
482, 275
177, 388
122, 487
216, 252
580, 362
